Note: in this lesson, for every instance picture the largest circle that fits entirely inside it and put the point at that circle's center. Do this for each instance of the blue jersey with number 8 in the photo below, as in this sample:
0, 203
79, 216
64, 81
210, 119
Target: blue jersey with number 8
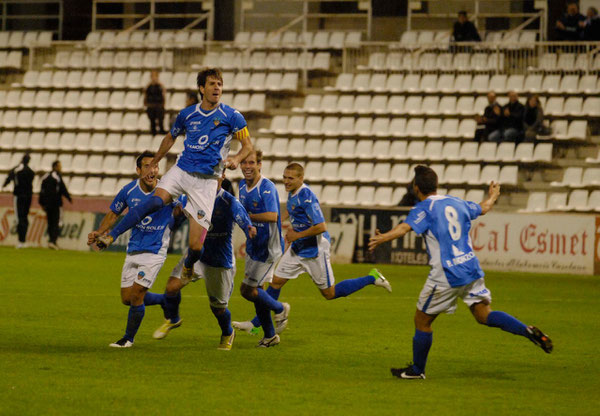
445, 222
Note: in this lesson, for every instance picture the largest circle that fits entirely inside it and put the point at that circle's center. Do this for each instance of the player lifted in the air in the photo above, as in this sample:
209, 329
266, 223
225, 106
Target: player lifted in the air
216, 265
455, 273
260, 198
147, 248
209, 127
309, 247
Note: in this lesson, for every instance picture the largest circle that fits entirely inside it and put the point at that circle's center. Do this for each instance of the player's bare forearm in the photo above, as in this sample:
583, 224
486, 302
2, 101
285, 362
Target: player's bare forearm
264, 217
493, 194
107, 222
317, 229
232, 162
379, 238
163, 149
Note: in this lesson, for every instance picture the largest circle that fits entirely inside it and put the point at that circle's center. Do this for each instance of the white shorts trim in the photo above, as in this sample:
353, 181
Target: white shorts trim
218, 281
141, 268
435, 299
257, 273
319, 268
201, 193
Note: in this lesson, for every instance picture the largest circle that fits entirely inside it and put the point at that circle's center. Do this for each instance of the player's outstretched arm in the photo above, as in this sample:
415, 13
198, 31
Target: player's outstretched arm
107, 222
396, 232
163, 149
493, 194
232, 162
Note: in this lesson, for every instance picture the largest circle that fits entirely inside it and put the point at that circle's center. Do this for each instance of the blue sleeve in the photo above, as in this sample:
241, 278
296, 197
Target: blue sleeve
312, 208
238, 122
418, 220
178, 126
182, 200
120, 202
240, 215
473, 208
270, 197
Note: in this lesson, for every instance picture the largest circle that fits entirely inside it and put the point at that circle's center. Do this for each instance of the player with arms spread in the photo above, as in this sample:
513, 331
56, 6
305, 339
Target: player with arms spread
216, 265
209, 127
445, 222
147, 248
309, 247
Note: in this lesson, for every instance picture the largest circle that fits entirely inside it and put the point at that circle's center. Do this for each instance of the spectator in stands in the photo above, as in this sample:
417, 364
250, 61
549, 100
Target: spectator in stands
489, 124
533, 117
591, 25
568, 27
51, 194
512, 119
22, 176
154, 101
465, 30
409, 199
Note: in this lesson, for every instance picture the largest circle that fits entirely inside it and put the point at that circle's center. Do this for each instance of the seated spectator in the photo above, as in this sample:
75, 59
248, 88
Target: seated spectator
489, 124
568, 27
512, 119
465, 30
591, 25
533, 118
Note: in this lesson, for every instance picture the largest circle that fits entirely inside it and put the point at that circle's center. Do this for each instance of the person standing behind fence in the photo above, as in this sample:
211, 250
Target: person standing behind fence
591, 25
154, 100
464, 29
568, 27
22, 176
53, 189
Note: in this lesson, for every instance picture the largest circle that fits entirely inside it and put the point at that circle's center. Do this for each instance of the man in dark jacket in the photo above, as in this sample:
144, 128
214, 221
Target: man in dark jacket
154, 100
22, 175
568, 27
591, 25
512, 119
489, 124
464, 30
53, 189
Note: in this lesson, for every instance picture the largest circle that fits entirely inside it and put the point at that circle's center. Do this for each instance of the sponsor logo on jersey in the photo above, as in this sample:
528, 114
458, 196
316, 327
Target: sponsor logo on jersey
420, 217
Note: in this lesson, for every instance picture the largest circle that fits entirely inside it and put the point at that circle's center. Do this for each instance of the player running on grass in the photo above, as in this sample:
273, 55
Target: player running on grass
209, 128
455, 271
216, 265
147, 248
261, 199
309, 249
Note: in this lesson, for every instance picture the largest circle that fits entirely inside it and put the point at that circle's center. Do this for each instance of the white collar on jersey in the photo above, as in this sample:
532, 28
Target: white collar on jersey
137, 183
434, 198
255, 186
299, 189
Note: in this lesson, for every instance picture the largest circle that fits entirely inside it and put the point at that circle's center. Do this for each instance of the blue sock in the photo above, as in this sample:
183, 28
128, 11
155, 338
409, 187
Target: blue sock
192, 257
154, 298
136, 214
224, 319
264, 314
349, 286
134, 320
172, 307
507, 323
421, 344
268, 302
274, 293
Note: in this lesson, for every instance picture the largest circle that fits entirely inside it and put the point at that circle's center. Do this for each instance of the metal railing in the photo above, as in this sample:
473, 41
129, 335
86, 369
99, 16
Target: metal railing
55, 19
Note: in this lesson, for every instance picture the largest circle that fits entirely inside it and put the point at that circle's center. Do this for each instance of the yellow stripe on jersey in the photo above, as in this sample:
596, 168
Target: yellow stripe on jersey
242, 134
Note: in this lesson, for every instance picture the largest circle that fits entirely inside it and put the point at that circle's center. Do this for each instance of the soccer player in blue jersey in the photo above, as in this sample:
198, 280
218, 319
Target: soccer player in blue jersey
259, 197
455, 273
147, 248
217, 264
309, 246
209, 126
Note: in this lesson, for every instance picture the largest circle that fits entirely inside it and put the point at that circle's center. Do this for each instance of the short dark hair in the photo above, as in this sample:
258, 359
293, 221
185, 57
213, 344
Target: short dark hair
208, 72
425, 179
463, 13
297, 167
55, 164
192, 95
26, 159
146, 153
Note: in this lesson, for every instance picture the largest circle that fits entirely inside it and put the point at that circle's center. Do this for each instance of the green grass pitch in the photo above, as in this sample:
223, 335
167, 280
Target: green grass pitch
60, 310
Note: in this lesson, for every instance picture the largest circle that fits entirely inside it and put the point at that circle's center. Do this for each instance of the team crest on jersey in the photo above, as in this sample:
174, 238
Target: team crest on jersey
216, 121
255, 204
201, 214
141, 275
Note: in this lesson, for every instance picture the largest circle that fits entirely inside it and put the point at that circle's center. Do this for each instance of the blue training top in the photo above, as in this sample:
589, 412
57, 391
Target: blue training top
305, 211
208, 137
268, 244
218, 249
445, 221
153, 232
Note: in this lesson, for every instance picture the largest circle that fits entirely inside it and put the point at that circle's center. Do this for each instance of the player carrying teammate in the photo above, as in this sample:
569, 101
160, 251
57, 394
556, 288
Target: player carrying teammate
216, 265
260, 198
455, 271
309, 250
147, 248
209, 127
